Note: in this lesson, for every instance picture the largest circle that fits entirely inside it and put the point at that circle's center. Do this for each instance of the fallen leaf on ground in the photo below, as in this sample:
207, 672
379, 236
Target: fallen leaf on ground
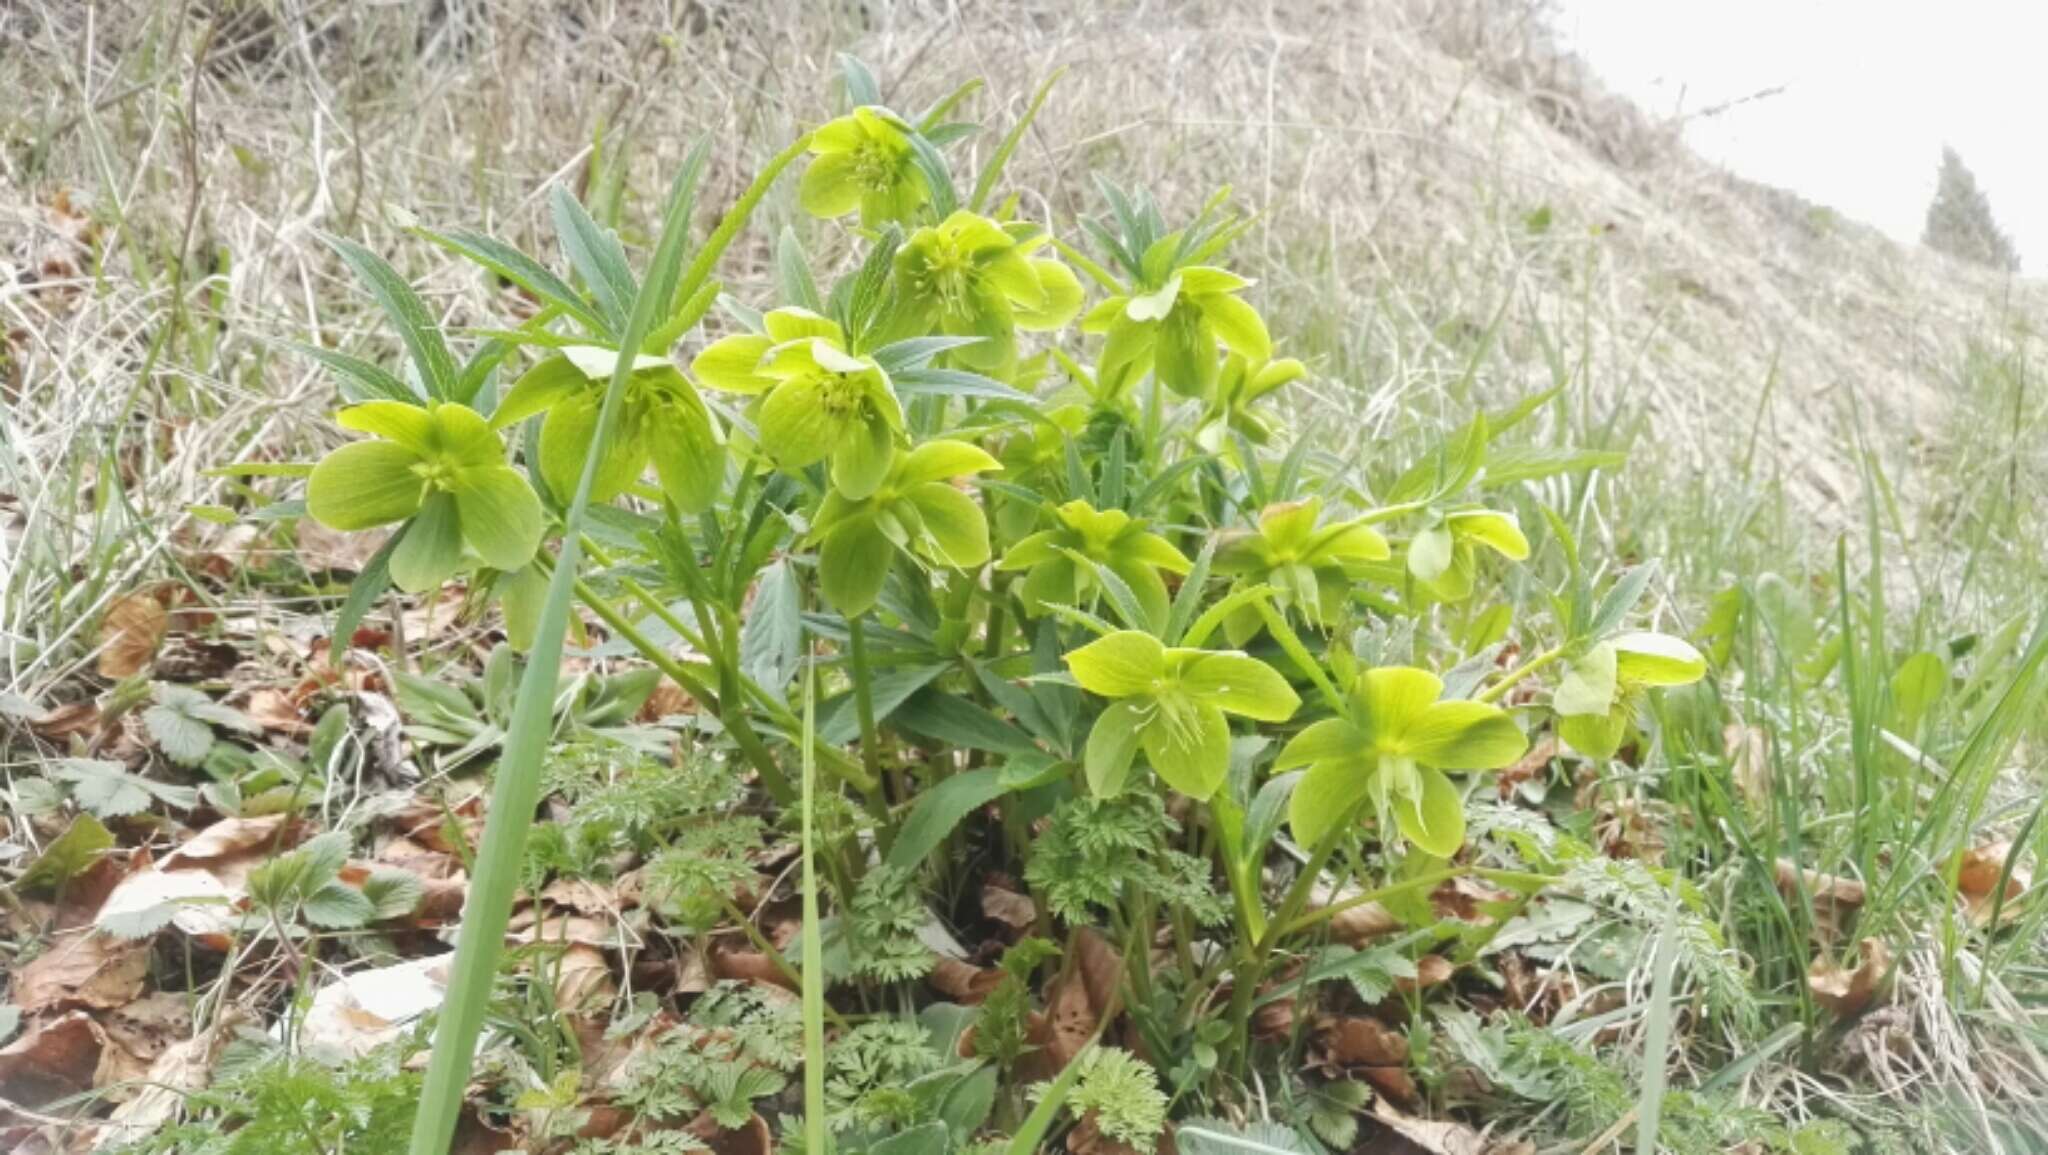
82, 970
274, 710
1532, 767
1847, 992
1835, 897
130, 633
1359, 1041
197, 886
1008, 907
52, 1060
1977, 878
358, 1013
751, 1138
1442, 1138
181, 1069
1749, 761
964, 982
1078, 1001
69, 720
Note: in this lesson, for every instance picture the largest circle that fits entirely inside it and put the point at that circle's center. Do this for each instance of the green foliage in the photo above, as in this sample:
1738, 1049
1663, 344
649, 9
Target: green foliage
1122, 1093
275, 1104
882, 925
1095, 851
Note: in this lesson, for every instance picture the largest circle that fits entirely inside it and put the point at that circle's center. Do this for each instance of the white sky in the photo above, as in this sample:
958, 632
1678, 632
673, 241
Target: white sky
1873, 89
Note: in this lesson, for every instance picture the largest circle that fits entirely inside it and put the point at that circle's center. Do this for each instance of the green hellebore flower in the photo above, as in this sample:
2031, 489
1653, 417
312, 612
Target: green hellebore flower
916, 509
818, 399
1305, 564
661, 419
1597, 697
1242, 385
1392, 747
1172, 703
864, 160
969, 277
1111, 538
1442, 556
1173, 331
443, 469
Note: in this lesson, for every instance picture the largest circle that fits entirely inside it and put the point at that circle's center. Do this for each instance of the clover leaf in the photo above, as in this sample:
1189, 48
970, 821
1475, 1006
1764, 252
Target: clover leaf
1391, 746
1172, 703
439, 468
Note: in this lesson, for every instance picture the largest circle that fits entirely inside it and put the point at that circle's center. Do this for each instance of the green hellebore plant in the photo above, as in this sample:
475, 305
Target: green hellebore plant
1110, 538
1597, 697
1443, 556
916, 510
968, 276
661, 419
1244, 383
1173, 330
817, 399
1172, 703
1306, 566
1392, 747
864, 160
441, 470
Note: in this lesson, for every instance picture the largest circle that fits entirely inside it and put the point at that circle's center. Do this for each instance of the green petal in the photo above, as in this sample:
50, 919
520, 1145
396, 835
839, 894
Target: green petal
1347, 542
943, 460
431, 550
1119, 665
1188, 745
1464, 736
1648, 659
1037, 550
565, 437
1239, 684
1332, 739
860, 461
408, 425
796, 428
1147, 586
1061, 297
364, 484
1011, 274
1390, 697
1491, 528
794, 324
853, 565
688, 452
1154, 306
1589, 683
1153, 550
1237, 325
1203, 280
830, 186
1595, 735
1434, 818
538, 389
1184, 359
1326, 795
1112, 744
501, 517
1287, 525
1429, 553
953, 524
733, 364
463, 437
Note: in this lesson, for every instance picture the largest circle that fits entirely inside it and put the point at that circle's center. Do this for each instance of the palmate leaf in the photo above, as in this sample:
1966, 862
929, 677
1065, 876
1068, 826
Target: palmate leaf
107, 790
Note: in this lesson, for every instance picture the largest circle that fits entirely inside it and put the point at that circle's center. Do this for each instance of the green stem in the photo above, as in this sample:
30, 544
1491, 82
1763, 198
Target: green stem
863, 697
1276, 624
1493, 693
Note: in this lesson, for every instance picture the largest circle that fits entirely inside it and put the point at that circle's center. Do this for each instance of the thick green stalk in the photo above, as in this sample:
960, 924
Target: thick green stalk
1494, 692
863, 698
814, 947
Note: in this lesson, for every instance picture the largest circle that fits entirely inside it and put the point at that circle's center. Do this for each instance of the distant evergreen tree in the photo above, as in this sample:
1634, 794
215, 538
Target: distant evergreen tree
1959, 219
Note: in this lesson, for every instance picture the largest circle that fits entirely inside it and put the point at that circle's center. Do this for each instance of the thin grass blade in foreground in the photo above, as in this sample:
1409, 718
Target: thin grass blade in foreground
516, 788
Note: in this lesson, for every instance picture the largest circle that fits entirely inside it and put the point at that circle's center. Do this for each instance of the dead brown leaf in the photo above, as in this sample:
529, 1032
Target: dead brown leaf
1531, 767
1008, 907
179, 1070
1849, 992
1835, 898
1749, 761
82, 970
73, 719
1078, 1001
1442, 1138
51, 1060
130, 633
752, 1138
1360, 1041
1977, 876
964, 982
274, 710
1430, 970
322, 549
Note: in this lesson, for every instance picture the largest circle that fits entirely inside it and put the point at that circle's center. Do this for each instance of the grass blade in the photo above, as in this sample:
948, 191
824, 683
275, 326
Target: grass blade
516, 789
814, 946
